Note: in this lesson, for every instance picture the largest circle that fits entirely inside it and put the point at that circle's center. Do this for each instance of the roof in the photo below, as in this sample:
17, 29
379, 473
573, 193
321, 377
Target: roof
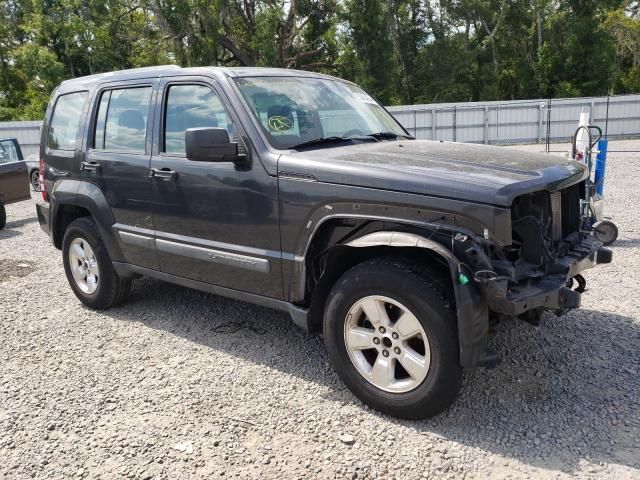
170, 70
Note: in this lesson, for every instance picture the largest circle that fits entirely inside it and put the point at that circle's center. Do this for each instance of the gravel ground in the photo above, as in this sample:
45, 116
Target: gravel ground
181, 384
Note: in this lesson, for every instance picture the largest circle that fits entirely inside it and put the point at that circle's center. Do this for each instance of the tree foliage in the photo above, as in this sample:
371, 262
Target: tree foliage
402, 51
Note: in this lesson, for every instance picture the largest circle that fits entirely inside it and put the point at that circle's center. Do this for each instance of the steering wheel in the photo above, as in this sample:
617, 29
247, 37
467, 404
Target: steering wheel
352, 132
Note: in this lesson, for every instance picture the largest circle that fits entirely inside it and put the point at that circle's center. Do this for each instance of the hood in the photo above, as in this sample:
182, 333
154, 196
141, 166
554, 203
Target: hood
477, 173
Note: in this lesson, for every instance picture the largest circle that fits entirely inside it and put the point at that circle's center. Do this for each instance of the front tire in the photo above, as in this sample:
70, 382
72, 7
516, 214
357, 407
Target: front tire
390, 331
88, 267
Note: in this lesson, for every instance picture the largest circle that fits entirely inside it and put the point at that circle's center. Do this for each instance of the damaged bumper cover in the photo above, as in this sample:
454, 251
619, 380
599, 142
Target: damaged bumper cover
543, 289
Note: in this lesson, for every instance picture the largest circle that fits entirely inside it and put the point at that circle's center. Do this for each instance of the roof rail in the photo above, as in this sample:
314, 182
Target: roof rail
117, 72
150, 69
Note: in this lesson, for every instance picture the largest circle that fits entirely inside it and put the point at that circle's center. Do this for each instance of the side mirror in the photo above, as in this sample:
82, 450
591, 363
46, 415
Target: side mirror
211, 145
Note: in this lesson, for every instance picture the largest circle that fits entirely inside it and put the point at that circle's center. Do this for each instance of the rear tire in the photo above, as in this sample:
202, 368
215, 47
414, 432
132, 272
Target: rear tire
88, 267
429, 377
35, 180
3, 216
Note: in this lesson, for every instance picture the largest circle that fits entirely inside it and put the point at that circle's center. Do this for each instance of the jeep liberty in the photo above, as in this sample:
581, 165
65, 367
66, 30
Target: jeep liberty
300, 192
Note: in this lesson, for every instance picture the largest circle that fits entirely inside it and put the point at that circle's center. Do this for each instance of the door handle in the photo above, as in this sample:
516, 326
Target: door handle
89, 166
165, 174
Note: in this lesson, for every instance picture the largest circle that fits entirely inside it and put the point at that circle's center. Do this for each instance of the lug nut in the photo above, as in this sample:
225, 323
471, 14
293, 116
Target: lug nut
395, 335
385, 353
382, 330
376, 340
397, 350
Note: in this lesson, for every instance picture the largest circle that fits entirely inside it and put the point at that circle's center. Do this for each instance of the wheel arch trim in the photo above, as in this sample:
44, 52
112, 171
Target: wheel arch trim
402, 239
89, 197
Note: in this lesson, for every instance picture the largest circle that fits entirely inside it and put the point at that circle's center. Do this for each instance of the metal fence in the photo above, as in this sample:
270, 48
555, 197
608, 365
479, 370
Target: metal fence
520, 121
27, 133
501, 123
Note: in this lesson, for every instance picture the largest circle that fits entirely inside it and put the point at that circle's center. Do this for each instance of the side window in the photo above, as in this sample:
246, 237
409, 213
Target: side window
8, 152
191, 106
121, 123
65, 122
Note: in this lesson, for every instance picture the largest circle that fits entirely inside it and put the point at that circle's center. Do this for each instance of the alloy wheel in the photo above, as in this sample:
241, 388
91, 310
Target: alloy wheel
84, 265
387, 344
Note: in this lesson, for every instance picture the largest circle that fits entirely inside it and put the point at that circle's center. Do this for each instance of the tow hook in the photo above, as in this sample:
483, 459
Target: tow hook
582, 284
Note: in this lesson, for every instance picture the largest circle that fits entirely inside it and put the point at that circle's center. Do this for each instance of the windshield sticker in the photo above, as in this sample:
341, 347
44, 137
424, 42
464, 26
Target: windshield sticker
280, 124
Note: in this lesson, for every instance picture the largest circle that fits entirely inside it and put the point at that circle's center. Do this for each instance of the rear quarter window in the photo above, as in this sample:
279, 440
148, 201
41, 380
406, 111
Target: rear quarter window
65, 121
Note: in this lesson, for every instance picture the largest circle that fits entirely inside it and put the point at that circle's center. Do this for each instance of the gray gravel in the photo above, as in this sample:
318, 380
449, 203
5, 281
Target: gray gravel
179, 384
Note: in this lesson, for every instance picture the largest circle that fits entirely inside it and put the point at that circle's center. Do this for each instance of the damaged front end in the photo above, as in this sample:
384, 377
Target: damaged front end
548, 250
533, 273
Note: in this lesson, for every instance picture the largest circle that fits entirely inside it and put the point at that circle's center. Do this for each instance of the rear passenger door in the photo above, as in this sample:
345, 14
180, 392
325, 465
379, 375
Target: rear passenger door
215, 222
117, 161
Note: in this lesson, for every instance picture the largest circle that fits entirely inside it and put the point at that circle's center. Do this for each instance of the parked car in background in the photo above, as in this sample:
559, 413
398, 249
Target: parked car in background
14, 184
11, 148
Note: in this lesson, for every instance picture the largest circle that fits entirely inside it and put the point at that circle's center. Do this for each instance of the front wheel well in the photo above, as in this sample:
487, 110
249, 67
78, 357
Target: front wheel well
341, 258
65, 215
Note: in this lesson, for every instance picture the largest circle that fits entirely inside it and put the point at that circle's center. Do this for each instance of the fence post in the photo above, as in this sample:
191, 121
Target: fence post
433, 124
455, 126
540, 109
548, 123
606, 122
415, 123
486, 124
498, 124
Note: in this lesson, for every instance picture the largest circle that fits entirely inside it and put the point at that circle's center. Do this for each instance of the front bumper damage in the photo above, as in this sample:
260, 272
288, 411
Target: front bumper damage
490, 293
544, 289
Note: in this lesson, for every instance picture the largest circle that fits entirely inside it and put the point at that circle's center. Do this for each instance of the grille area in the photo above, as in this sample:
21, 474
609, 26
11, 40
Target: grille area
542, 221
556, 216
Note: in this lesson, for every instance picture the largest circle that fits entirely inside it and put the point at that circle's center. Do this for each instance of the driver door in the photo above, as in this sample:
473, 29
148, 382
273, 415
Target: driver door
215, 222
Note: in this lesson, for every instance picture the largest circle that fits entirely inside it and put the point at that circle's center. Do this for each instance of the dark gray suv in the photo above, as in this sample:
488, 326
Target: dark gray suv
300, 192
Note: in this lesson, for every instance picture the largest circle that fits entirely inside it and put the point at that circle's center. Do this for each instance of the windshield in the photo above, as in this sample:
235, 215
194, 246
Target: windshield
297, 110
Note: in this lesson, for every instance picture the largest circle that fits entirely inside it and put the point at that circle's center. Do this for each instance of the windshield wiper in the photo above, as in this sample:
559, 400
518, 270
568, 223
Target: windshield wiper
323, 140
335, 139
390, 135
